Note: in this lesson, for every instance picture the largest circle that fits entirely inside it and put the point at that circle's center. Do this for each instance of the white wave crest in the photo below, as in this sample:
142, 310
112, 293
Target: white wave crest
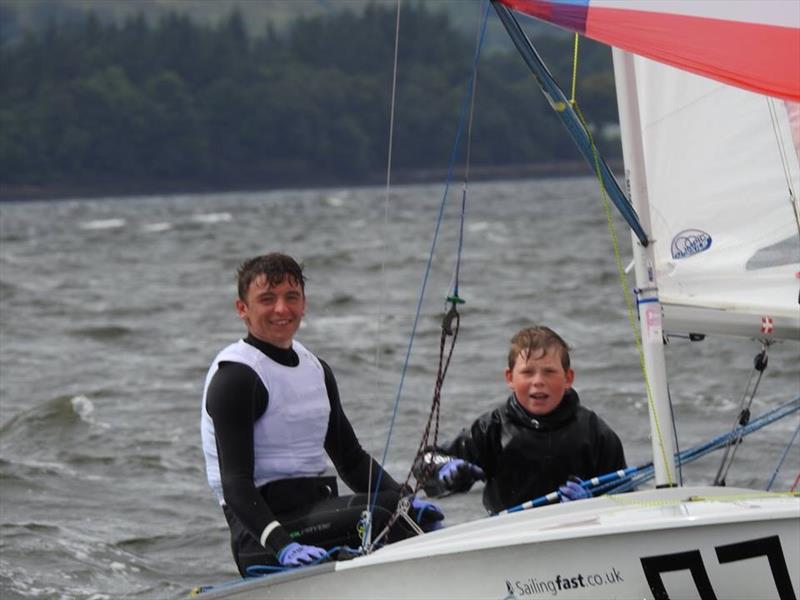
84, 408
478, 226
336, 200
103, 224
223, 217
156, 227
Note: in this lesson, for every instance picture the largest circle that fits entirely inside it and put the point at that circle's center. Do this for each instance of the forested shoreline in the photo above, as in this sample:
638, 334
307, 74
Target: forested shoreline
181, 106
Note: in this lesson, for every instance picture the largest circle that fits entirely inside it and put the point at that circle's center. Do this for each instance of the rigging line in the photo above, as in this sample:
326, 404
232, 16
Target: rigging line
783, 410
620, 268
783, 457
433, 416
632, 320
368, 514
564, 110
784, 160
572, 99
468, 160
402, 506
675, 435
429, 264
760, 364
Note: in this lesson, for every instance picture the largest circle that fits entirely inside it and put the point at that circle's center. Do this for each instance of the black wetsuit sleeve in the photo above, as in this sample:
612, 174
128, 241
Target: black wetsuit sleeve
478, 444
352, 462
609, 450
236, 398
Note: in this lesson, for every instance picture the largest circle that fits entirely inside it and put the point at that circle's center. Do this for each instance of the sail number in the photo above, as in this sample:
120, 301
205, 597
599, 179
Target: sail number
770, 547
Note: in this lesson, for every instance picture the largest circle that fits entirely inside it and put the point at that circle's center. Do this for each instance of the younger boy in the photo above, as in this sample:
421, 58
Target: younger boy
538, 440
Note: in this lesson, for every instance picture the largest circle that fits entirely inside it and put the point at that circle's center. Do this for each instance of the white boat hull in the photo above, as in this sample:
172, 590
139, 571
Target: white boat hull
701, 542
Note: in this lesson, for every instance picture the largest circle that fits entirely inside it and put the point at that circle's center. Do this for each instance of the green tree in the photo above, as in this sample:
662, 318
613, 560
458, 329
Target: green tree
100, 101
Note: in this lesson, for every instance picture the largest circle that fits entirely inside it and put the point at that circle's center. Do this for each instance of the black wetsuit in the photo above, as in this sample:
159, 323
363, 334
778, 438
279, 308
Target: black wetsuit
309, 508
525, 456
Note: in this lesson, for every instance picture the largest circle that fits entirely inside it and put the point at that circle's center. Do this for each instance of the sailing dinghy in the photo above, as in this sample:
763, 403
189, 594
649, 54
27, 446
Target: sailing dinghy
708, 94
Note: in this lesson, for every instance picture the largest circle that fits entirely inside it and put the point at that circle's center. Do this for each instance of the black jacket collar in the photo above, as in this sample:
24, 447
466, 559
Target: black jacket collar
284, 356
563, 413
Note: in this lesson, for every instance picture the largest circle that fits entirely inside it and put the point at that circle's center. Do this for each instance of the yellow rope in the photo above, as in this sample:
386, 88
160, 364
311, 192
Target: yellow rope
572, 99
620, 268
626, 501
744, 496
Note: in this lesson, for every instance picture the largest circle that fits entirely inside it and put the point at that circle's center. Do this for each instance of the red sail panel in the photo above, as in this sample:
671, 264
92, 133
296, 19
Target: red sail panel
762, 57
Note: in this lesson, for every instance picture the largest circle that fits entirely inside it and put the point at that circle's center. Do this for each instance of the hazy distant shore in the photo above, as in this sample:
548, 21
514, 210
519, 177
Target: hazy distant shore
98, 189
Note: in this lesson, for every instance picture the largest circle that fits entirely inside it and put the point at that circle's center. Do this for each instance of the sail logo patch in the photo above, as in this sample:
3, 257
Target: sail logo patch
689, 242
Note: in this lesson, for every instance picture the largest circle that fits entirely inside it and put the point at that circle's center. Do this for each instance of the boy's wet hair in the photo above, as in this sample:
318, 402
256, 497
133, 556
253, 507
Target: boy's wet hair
534, 339
276, 267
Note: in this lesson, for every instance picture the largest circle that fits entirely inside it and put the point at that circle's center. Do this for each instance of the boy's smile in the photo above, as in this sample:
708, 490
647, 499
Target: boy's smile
539, 383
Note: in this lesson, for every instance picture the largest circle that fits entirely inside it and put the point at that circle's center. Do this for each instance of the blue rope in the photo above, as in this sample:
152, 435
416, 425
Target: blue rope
783, 457
696, 452
262, 570
453, 154
589, 484
254, 571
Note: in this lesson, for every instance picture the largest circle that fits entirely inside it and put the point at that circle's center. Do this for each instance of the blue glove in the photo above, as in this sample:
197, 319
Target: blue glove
458, 475
297, 555
427, 514
573, 490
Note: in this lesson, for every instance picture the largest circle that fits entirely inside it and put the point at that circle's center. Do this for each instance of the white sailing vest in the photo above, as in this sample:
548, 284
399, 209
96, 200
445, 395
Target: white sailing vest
288, 439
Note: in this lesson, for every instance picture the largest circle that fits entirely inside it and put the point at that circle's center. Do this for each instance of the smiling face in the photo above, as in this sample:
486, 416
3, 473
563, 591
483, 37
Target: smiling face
539, 380
272, 311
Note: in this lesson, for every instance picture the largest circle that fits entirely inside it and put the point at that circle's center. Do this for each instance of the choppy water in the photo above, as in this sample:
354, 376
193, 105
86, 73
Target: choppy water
111, 310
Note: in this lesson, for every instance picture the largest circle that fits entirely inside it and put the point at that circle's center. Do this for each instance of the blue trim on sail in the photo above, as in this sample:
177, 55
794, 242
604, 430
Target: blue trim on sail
562, 107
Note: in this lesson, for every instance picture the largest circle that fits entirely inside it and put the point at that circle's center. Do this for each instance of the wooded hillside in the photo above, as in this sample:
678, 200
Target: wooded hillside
132, 103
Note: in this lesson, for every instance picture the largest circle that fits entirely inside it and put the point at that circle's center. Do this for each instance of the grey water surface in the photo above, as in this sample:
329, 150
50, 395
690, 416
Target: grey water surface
112, 309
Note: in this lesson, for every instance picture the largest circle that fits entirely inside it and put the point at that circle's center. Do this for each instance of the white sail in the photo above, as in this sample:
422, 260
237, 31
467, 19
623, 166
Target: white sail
722, 177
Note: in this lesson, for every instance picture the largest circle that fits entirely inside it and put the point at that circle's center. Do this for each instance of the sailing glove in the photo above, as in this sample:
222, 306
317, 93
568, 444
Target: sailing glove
458, 475
427, 514
297, 555
573, 490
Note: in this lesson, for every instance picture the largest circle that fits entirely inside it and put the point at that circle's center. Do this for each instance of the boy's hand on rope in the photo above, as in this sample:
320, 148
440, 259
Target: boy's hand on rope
573, 490
297, 555
458, 475
427, 514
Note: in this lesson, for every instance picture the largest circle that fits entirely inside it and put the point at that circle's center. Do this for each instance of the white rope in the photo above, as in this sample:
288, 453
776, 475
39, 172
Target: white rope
366, 544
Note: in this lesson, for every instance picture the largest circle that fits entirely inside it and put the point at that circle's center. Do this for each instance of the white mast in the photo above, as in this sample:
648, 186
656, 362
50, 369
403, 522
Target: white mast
649, 307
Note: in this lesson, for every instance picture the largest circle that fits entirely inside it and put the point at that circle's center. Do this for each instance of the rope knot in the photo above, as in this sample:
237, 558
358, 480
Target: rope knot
452, 314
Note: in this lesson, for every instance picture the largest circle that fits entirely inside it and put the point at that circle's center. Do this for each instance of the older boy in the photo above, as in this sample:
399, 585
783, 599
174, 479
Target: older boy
539, 439
271, 413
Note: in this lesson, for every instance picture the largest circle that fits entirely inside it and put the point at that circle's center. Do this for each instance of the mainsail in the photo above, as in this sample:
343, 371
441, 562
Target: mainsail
722, 180
720, 152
